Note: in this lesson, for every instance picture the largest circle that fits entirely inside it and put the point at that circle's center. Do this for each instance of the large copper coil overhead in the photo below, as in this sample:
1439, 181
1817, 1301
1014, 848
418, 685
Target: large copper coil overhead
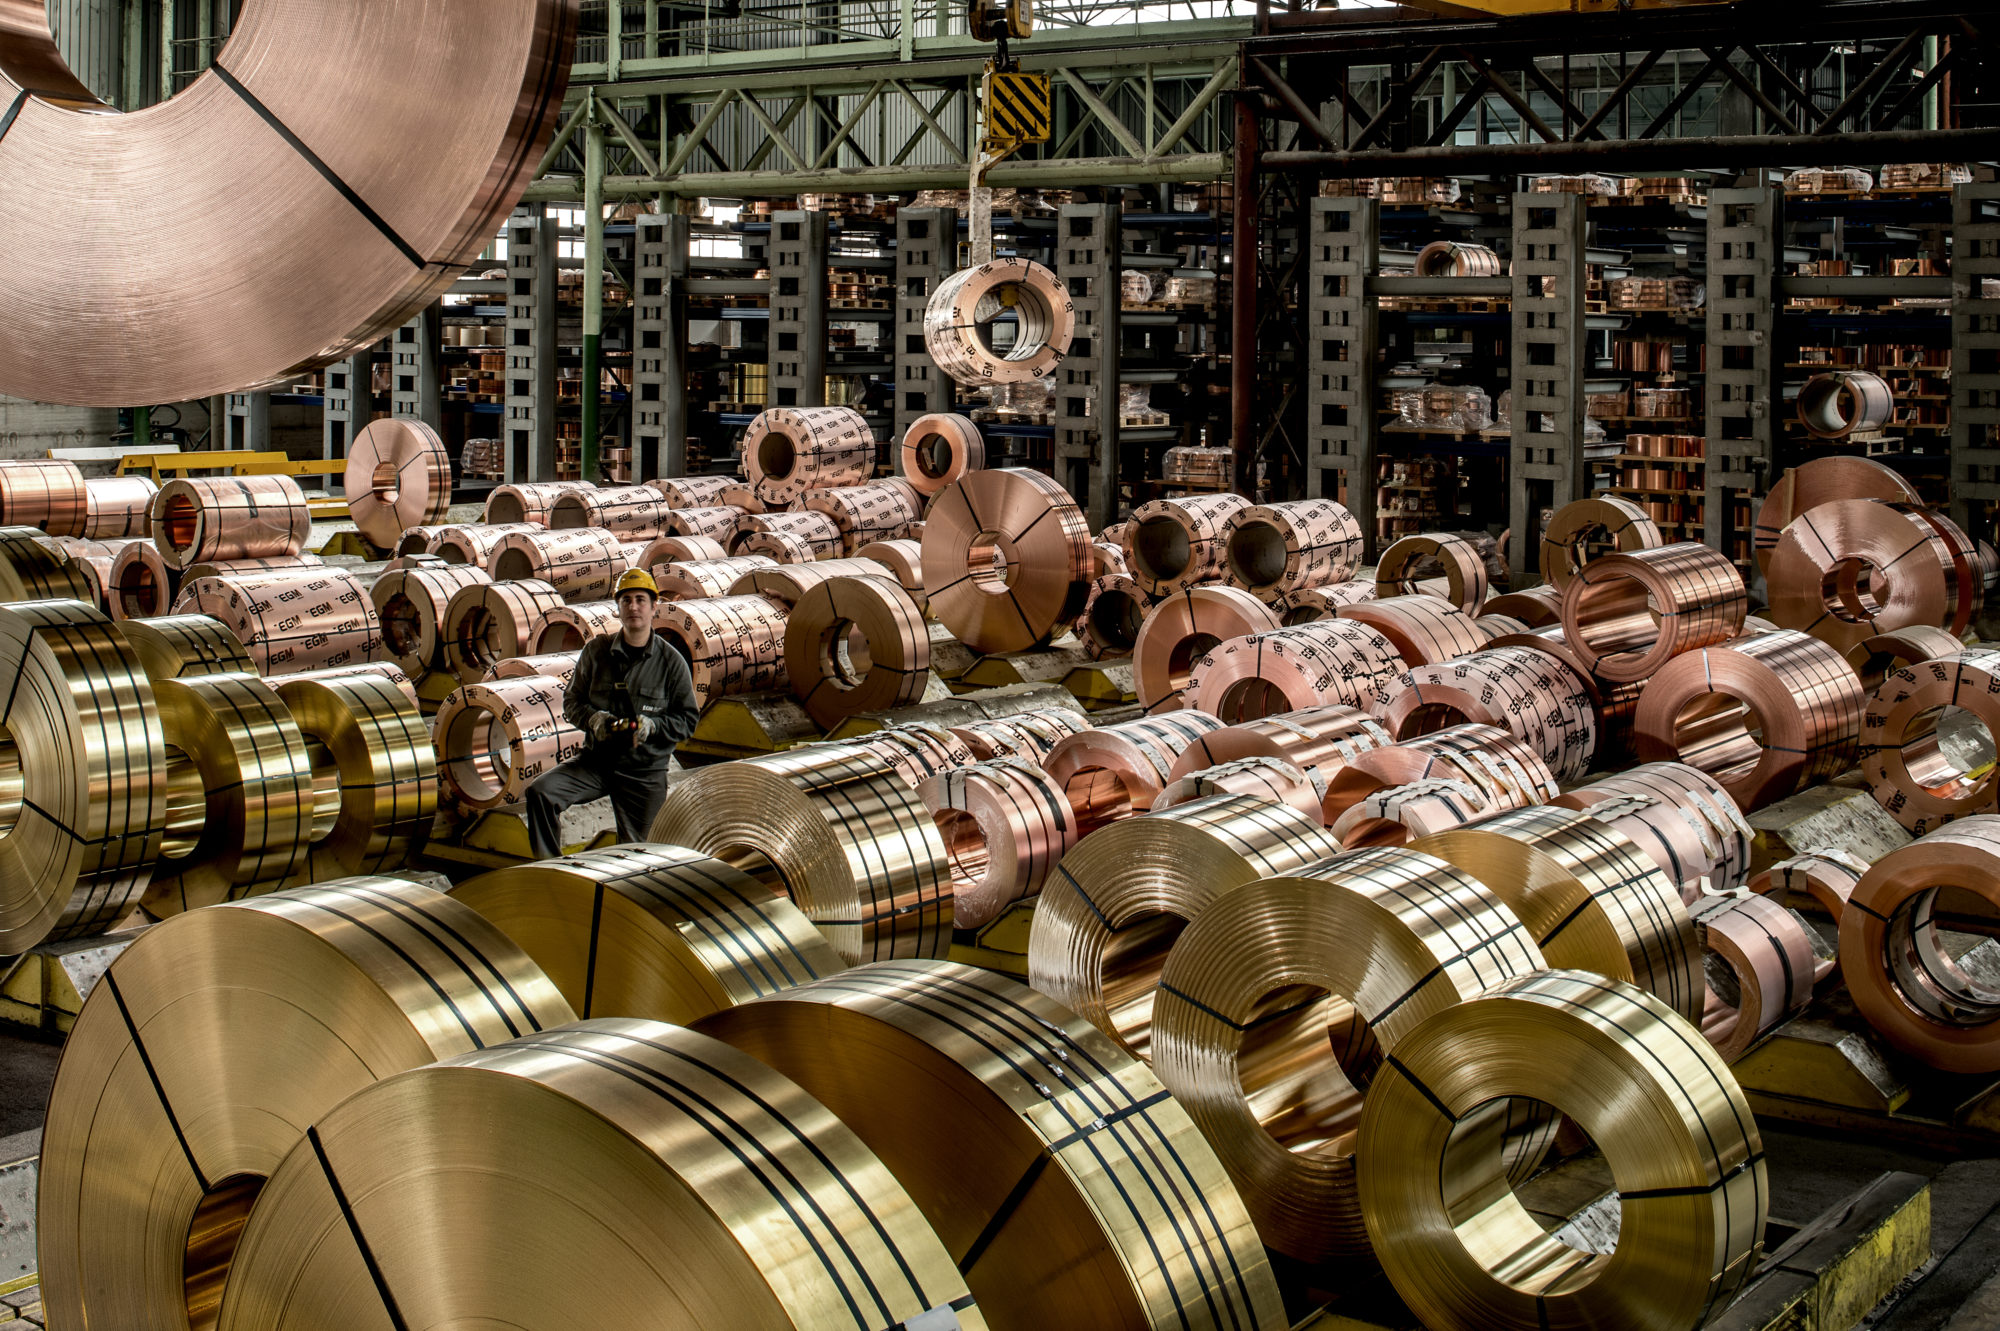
917, 749
1424, 629
904, 559
1676, 1131
1117, 903
1402, 565
294, 620
117, 507
210, 1045
1626, 615
662, 551
142, 586
1273, 550
1093, 1200
1450, 258
1765, 715
583, 563
1114, 610
655, 932
1327, 736
1681, 817
1312, 604
1183, 629
1006, 559
1538, 697
938, 449
1005, 824
1766, 970
44, 493
566, 628
1613, 704
172, 646
1030, 736
1909, 772
696, 578
411, 607
1822, 879
856, 645
1537, 607
790, 450
1824, 480
839, 831
1845, 402
1398, 815
476, 543
877, 511
693, 491
83, 770
374, 773
1361, 947
1111, 772
1850, 570
514, 505
229, 517
960, 320
733, 644
1266, 778
633, 512
485, 623
226, 568
558, 666
784, 584
496, 739
1174, 544
1581, 530
1329, 661
398, 477
1506, 773
811, 536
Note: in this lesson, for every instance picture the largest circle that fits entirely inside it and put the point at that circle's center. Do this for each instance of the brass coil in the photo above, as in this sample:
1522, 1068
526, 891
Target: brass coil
1584, 528
229, 517
1424, 629
494, 740
474, 545
582, 563
411, 605
1846, 402
1117, 903
1360, 948
1450, 258
1327, 662
374, 772
873, 511
1537, 607
733, 644
784, 584
1313, 604
485, 623
1875, 658
44, 493
1766, 971
290, 620
1266, 778
1683, 818
1910, 774
664, 551
939, 448
718, 523
387, 671
1274, 550
398, 477
1398, 815
1114, 610
1030, 735
696, 579
1174, 544
655, 932
632, 512
1506, 773
33, 568
173, 646
560, 667
117, 507
1683, 1148
1092, 1201
856, 645
1006, 559
531, 504
142, 586
916, 749
693, 491
963, 306
1626, 615
1183, 629
1613, 704
1005, 824
1312, 738
1464, 569
566, 628
1847, 571
1111, 772
1825, 878
1823, 480
905, 561
790, 450
1538, 697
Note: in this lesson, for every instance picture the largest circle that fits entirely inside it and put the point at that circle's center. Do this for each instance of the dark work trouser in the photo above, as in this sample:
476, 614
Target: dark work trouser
635, 798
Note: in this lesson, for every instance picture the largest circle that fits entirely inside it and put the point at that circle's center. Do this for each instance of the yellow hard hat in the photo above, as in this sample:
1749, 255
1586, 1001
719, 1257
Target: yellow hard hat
637, 580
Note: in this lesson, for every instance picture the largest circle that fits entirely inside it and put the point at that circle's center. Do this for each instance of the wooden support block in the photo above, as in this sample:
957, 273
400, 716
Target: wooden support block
1829, 1274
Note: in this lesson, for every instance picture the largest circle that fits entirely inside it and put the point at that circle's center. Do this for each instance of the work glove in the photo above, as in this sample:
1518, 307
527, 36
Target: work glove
648, 728
600, 725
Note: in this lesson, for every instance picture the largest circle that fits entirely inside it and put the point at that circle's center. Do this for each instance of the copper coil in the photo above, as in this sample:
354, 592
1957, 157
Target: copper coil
1902, 972
1989, 567
496, 739
1626, 615
634, 512
386, 671
653, 932
558, 666
1114, 771
1118, 902
1680, 816
838, 830
917, 749
790, 450
1823, 480
1612, 704
292, 620
964, 304
1031, 735
743, 499
1968, 574
1831, 573
1766, 973
513, 505
1318, 739
1585, 527
1183, 629
693, 491
784, 584
1537, 696
856, 645
1450, 258
93, 562
1909, 772
566, 628
1329, 661
734, 644
1875, 658
374, 772
255, 1020
1174, 544
1006, 559
1423, 629
1114, 611
476, 543
1005, 824
229, 517
877, 511
418, 542
1834, 406
695, 578
1362, 947
118, 506
1114, 534
583, 563
811, 536
1500, 626
398, 477
1397, 815
1313, 604
486, 623
171, 646
229, 568
1826, 878
45, 494
142, 586
1685, 1159
239, 791
718, 524
410, 606
1506, 772
1274, 550
680, 550
1464, 569
1266, 778
905, 561
1106, 559
938, 449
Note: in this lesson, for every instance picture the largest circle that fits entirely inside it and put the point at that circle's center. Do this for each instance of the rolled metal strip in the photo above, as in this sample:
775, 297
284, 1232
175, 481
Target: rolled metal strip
1265, 778
373, 762
1688, 1164
1613, 704
530, 504
877, 511
939, 448
1313, 738
1114, 610
1825, 878
1911, 775
566, 628
664, 550
1181, 631
841, 829
905, 561
743, 498
558, 666
142, 586
1030, 736
228, 568
634, 512
1312, 604
1464, 569
1274, 550
1450, 258
1968, 573
790, 450
1537, 607
118, 507
475, 544
44, 493
1584, 528
495, 739
398, 477
1106, 559
291, 620
1174, 544
1681, 816
1761, 970
1823, 480
411, 606
173, 646
1766, 715
418, 541
229, 517
917, 749
965, 303
1507, 773
387, 671
778, 546
693, 579
1398, 815
784, 584
1363, 946
733, 644
1105, 922
856, 645
1152, 1227
654, 932
1114, 771
1005, 825
718, 523
1989, 567
583, 563
1500, 626
693, 491
1845, 402
1423, 629
93, 562
1006, 559
1330, 661
1627, 615
816, 534
486, 623
1536, 696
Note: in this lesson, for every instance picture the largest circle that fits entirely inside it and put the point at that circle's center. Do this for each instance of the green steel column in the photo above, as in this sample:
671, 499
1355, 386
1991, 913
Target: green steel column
166, 49
142, 427
593, 286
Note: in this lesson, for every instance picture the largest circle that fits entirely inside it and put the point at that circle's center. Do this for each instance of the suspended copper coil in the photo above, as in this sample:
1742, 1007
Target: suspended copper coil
1030, 735
1105, 922
1330, 661
693, 491
1823, 480
1968, 574
1464, 569
938, 449
1397, 815
916, 749
173, 646
239, 791
963, 306
1536, 696
876, 511
1423, 629
743, 499
1183, 629
43, 493
1826, 878
385, 671
475, 545
515, 505
566, 628
733, 644
294, 620
558, 666
1766, 973
718, 524
1174, 544
410, 606
1583, 528
374, 773
1094, 1200
485, 623
142, 586
905, 561
583, 563
1006, 559
1845, 402
1613, 705
1685, 1156
1911, 775
1312, 604
787, 538
398, 477
693, 579
633, 512
83, 773
784, 584
1682, 817
1114, 771
1273, 550
838, 830
1311, 739
664, 550
1626, 615
1450, 258
655, 932
229, 568
1765, 715
1831, 574
856, 645
117, 507
213, 1041
1363, 946
1899, 967
1005, 824
1506, 772
790, 450
1266, 778
1114, 610
496, 739
418, 542
229, 517
1499, 626
1875, 658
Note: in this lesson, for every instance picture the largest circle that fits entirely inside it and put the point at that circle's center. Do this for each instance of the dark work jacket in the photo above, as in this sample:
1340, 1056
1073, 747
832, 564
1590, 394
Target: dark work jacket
630, 682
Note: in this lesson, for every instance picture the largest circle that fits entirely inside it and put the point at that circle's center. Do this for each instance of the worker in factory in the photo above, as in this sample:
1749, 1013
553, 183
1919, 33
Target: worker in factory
633, 699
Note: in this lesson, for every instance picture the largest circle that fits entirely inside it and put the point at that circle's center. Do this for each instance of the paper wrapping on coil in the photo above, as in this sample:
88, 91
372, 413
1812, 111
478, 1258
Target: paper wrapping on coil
790, 450
229, 517
291, 620
965, 304
1329, 661
1273, 550
530, 504
485, 623
1174, 544
410, 607
583, 563
496, 739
